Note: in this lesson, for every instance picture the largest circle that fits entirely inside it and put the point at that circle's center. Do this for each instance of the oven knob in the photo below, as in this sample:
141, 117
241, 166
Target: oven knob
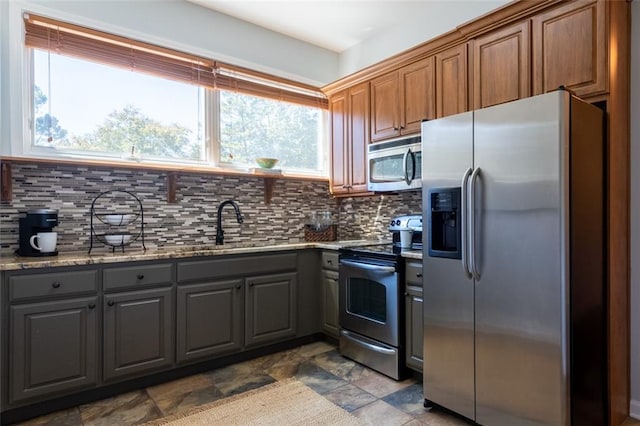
393, 222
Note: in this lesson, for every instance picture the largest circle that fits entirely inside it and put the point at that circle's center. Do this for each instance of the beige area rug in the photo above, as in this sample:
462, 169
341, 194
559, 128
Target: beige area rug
288, 402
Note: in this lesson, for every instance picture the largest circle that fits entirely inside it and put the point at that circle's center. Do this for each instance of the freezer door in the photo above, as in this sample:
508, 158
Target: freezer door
448, 290
521, 149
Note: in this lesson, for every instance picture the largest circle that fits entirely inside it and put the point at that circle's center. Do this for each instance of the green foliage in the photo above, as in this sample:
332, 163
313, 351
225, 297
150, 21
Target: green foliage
252, 127
47, 128
128, 130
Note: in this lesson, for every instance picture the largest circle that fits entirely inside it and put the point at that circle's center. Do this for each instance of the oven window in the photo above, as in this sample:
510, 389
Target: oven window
367, 299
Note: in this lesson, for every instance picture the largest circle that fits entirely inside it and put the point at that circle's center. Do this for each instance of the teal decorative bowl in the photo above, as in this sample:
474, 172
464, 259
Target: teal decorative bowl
266, 163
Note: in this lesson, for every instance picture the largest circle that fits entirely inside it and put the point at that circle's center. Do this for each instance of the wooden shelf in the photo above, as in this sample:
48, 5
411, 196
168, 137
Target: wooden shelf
172, 170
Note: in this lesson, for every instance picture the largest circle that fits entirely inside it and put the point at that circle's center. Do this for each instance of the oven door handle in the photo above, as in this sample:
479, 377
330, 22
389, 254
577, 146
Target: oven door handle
367, 345
369, 267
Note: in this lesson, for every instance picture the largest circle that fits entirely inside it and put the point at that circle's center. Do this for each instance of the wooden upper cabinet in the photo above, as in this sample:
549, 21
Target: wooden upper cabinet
569, 48
349, 140
501, 68
359, 133
385, 105
339, 140
451, 81
417, 95
401, 99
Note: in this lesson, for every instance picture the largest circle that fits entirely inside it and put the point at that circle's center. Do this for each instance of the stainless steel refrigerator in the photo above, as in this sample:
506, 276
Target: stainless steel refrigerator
513, 263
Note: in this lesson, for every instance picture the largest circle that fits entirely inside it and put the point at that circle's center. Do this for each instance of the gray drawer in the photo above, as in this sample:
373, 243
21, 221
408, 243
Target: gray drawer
52, 284
414, 273
137, 276
224, 266
330, 260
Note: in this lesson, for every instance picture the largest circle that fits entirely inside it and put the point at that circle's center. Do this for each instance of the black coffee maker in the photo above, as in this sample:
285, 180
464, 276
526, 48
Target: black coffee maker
30, 223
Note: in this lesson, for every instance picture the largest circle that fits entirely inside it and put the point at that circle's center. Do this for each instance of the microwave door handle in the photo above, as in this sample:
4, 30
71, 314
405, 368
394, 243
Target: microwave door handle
405, 168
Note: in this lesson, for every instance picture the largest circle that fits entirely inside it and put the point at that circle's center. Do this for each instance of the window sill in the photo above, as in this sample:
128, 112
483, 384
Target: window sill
172, 171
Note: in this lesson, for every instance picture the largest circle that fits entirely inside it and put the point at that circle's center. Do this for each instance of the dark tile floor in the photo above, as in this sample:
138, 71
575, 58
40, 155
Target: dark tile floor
372, 397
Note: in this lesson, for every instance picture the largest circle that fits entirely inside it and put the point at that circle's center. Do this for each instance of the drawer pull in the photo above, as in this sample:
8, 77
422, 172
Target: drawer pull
56, 284
330, 262
111, 303
419, 275
92, 305
140, 276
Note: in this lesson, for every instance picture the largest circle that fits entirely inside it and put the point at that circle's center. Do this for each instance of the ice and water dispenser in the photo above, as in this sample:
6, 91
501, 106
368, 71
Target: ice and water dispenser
444, 223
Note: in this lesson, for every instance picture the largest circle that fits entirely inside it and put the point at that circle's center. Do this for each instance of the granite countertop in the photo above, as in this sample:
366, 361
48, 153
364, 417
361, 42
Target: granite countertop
12, 262
412, 254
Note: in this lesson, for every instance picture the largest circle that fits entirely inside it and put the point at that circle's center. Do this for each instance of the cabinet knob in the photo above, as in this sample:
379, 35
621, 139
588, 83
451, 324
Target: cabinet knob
406, 294
238, 286
140, 276
111, 303
419, 274
92, 305
55, 284
330, 262
250, 284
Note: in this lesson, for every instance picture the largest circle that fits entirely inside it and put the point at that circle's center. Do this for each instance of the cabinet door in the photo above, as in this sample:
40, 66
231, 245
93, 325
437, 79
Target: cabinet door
270, 308
569, 48
451, 81
330, 323
385, 107
417, 95
501, 71
209, 319
359, 133
339, 143
138, 332
413, 321
53, 347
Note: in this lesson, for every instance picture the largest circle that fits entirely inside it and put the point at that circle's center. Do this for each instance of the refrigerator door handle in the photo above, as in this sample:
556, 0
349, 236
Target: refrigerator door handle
463, 223
472, 223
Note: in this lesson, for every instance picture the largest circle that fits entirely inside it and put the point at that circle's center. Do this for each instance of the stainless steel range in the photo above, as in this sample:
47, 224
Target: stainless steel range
371, 304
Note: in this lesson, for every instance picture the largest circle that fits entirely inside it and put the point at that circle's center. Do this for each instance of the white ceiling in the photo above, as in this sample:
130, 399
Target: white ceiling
333, 25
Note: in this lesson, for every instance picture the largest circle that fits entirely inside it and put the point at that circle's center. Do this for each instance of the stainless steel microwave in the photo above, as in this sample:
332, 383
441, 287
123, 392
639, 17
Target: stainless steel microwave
395, 165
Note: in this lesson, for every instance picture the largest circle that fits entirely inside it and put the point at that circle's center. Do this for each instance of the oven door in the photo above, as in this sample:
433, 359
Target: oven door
369, 296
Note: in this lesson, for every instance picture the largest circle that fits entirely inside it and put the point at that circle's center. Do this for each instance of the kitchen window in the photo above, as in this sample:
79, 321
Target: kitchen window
97, 95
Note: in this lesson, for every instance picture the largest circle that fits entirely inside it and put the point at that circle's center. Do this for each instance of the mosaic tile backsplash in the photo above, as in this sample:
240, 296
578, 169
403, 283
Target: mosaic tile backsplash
192, 219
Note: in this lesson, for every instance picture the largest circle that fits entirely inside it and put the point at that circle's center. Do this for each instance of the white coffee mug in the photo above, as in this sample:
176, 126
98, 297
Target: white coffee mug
46, 241
405, 238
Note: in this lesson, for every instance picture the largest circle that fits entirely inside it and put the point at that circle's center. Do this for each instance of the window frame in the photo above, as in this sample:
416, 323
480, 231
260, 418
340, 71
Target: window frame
211, 123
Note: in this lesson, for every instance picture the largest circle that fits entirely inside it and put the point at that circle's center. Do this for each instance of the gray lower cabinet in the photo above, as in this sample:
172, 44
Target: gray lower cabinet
52, 332
270, 308
330, 324
65, 330
209, 319
138, 332
53, 347
413, 315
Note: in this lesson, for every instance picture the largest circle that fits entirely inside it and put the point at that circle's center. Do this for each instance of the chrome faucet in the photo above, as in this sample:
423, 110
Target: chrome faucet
219, 231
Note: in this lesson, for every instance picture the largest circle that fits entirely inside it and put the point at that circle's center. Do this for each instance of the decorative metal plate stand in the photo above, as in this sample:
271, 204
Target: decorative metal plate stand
117, 219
